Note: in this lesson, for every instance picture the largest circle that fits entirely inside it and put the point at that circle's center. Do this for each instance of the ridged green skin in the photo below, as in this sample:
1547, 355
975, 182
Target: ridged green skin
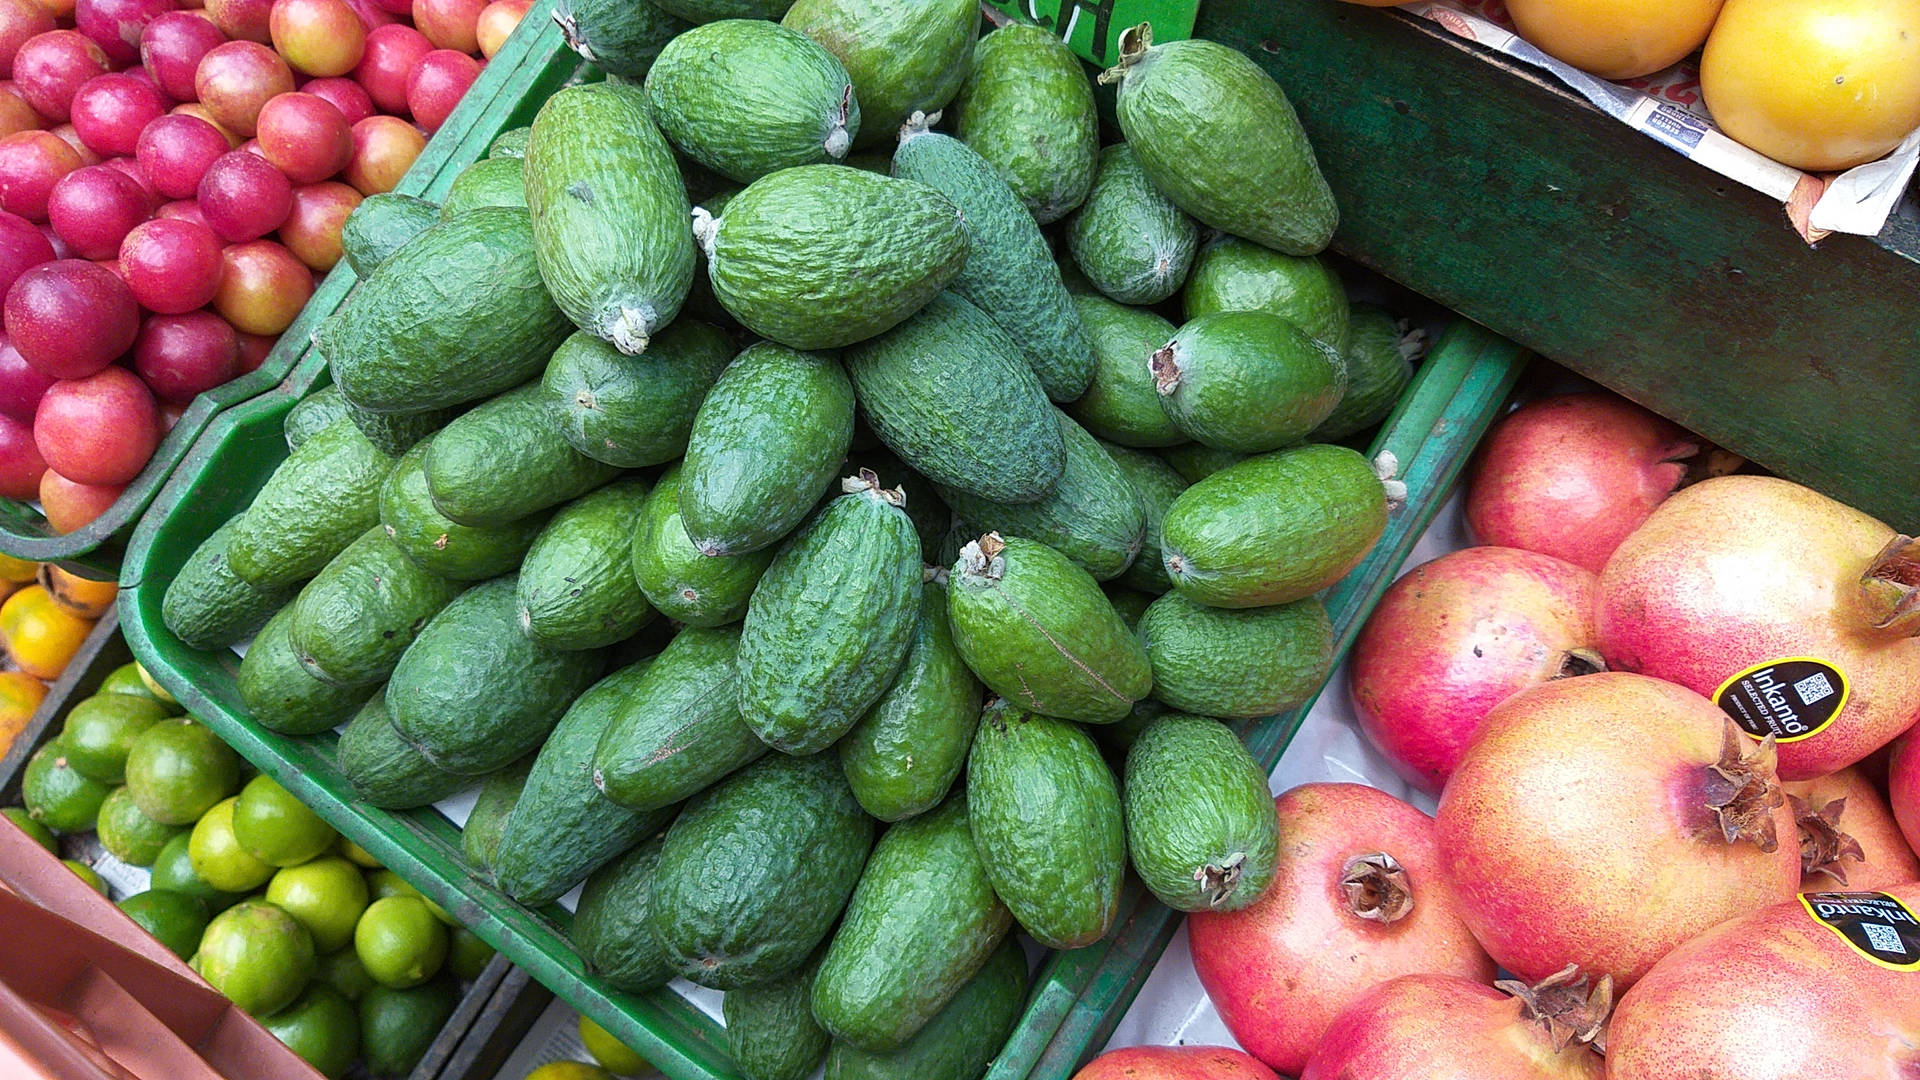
438, 543
1039, 632
1247, 381
1200, 823
1215, 132
1093, 516
1379, 367
384, 770
681, 583
620, 37
1156, 484
1196, 461
961, 1040
769, 439
930, 515
904, 755
315, 503
487, 182
282, 695
613, 925
576, 586
634, 411
352, 622
480, 836
58, 795
563, 829
830, 623
1046, 819
609, 213
1238, 275
492, 323
921, 923
1131, 242
1121, 404
771, 1032
510, 143
953, 395
311, 413
756, 869
472, 693
1027, 107
704, 11
676, 730
822, 256
745, 97
208, 606
506, 459
395, 433
1009, 274
1236, 663
380, 225
905, 56
1273, 528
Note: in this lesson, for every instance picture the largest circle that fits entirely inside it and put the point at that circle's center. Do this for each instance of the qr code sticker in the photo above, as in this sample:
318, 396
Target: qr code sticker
1813, 688
1884, 938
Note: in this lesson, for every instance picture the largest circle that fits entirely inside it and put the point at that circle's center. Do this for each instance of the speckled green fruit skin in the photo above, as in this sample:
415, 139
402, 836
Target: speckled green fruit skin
1380, 354
961, 1040
488, 182
1121, 404
1039, 632
1200, 823
681, 583
1131, 242
768, 440
1237, 275
315, 503
745, 97
440, 544
480, 836
906, 752
1273, 528
493, 322
1236, 663
822, 256
1009, 273
1093, 516
1215, 133
394, 433
1045, 814
756, 869
380, 225
930, 515
1247, 381
1197, 461
905, 56
511, 142
506, 459
613, 925
1027, 107
617, 36
675, 728
57, 795
922, 921
208, 606
704, 11
473, 693
634, 411
609, 213
953, 395
771, 1032
313, 412
352, 622
281, 694
1156, 484
830, 623
576, 587
385, 770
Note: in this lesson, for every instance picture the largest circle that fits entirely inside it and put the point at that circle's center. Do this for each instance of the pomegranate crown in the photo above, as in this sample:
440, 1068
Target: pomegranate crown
1567, 1005
1742, 789
1377, 887
1822, 844
1891, 587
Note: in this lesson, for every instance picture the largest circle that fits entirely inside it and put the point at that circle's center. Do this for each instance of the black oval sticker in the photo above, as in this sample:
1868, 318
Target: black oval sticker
1877, 926
1789, 699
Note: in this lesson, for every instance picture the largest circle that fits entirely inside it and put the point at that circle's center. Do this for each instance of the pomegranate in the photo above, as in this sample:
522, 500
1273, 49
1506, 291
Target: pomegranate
391, 54
71, 505
1848, 837
21, 384
116, 25
31, 162
1174, 1063
1903, 787
234, 80
1777, 995
1442, 1027
22, 247
171, 47
111, 110
94, 208
179, 356
69, 318
50, 67
1455, 637
344, 94
437, 84
1602, 821
98, 430
174, 152
21, 465
1358, 897
19, 21
1734, 577
171, 265
243, 197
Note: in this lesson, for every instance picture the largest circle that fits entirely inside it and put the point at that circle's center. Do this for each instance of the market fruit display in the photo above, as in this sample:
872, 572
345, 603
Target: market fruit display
1441, 1025
1616, 40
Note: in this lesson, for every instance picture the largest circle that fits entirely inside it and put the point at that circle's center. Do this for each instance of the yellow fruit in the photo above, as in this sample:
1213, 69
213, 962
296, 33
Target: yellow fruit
1821, 85
358, 855
219, 859
39, 634
17, 571
20, 697
1615, 39
85, 597
569, 1070
613, 1055
153, 685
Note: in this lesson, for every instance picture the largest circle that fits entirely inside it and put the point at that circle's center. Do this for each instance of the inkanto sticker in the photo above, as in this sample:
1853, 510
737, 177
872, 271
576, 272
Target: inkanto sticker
1790, 699
1873, 924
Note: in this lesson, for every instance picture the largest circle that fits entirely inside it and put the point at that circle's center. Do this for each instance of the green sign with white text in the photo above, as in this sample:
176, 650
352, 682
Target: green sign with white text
1092, 27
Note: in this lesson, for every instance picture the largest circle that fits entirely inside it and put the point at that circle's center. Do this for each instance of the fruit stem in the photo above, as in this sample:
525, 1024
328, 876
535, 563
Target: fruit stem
1577, 662
629, 328
1562, 1004
1890, 589
705, 227
917, 125
868, 481
1822, 844
1742, 789
570, 32
981, 558
1217, 880
1376, 887
838, 141
1134, 43
1165, 370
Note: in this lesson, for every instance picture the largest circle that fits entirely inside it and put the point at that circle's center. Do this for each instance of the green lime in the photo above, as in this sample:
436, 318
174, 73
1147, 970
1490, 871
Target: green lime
217, 855
327, 895
87, 875
125, 679
101, 730
277, 828
613, 1055
153, 686
320, 1026
173, 871
397, 1026
400, 942
176, 920
358, 855
177, 769
132, 837
40, 833
56, 793
467, 954
257, 955
569, 1070
384, 883
342, 970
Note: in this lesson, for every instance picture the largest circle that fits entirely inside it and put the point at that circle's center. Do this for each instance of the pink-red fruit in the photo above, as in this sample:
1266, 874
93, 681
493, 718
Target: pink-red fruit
1848, 836
1438, 1027
69, 318
1174, 1063
98, 430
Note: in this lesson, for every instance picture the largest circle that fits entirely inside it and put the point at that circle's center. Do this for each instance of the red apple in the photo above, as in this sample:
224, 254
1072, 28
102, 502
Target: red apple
19, 21
449, 24
182, 355
305, 137
437, 84
21, 384
31, 162
243, 20
391, 54
497, 22
346, 95
50, 68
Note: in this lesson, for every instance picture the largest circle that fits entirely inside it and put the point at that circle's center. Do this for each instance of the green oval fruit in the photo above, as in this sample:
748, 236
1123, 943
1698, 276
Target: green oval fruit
1131, 241
634, 411
129, 835
208, 606
178, 770
1273, 528
176, 920
281, 694
350, 624
576, 587
1236, 663
488, 182
387, 771
380, 225
674, 729
317, 500
173, 871
681, 583
397, 1026
961, 1040
395, 433
320, 1026
1027, 107
1247, 381
1156, 484
1237, 275
257, 956
35, 830
506, 459
1380, 354
613, 924
1197, 461
905, 56
1121, 404
1200, 823
480, 835
436, 542
771, 1032
617, 36
704, 11
311, 413
510, 143
101, 729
